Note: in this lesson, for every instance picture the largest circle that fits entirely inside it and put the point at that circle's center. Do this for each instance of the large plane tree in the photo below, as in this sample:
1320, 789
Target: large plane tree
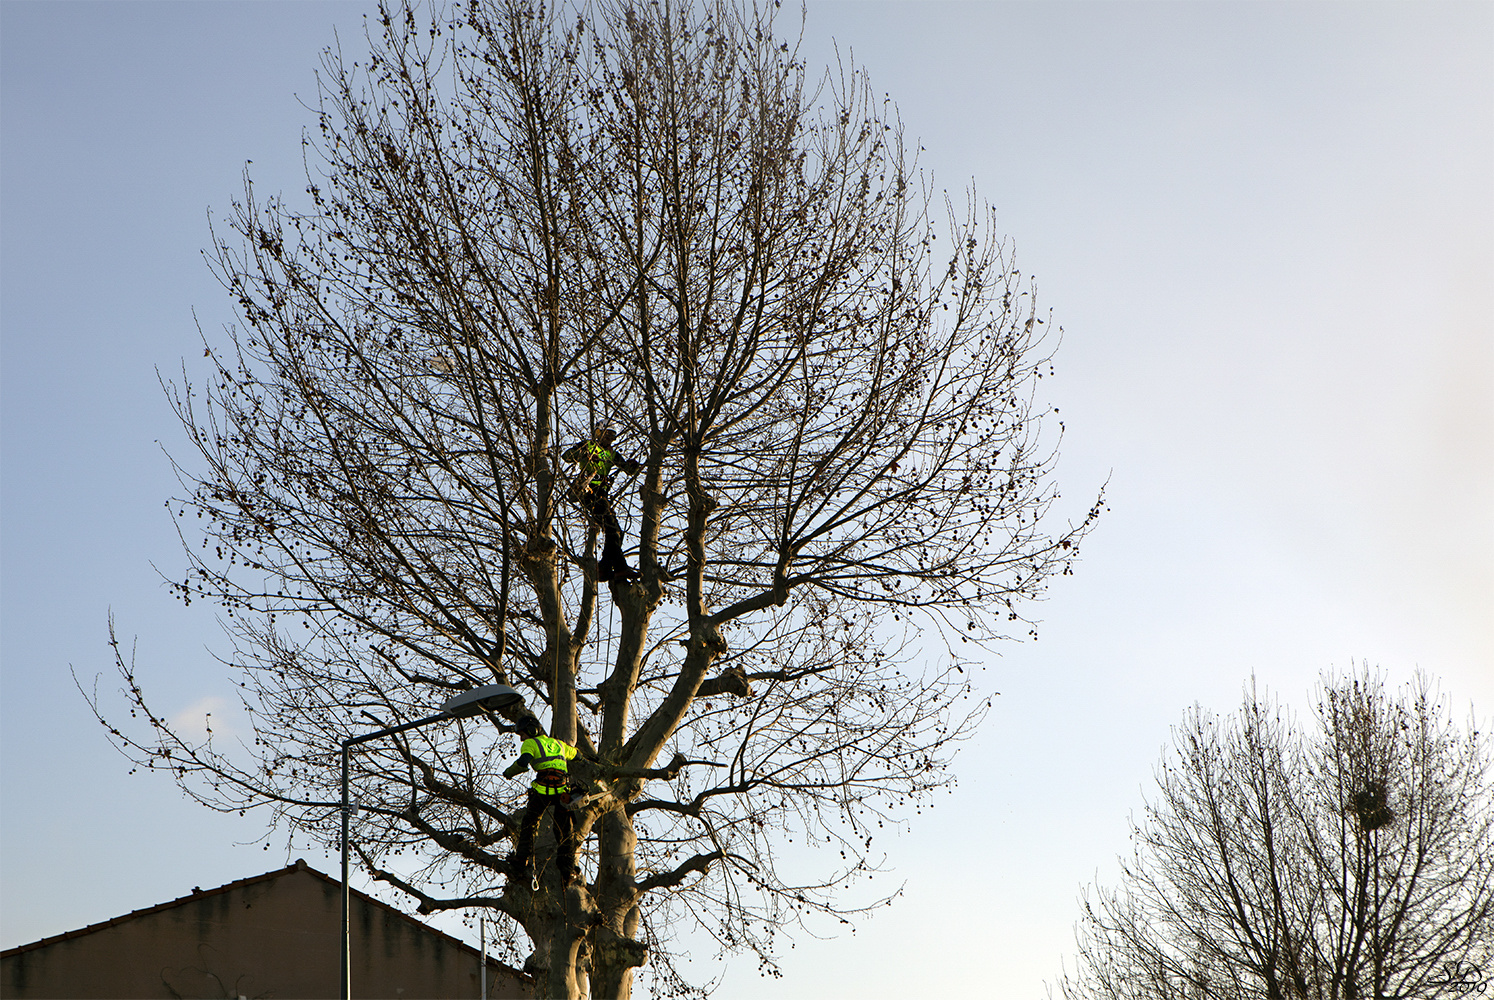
526, 221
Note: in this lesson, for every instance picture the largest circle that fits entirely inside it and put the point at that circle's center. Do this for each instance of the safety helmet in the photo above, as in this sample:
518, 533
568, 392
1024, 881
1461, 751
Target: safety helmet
530, 726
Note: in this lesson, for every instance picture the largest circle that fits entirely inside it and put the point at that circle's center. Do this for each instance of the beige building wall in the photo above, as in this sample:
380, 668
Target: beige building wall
274, 936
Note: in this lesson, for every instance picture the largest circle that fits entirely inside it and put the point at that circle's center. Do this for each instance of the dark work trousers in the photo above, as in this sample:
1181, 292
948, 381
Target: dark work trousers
565, 830
599, 509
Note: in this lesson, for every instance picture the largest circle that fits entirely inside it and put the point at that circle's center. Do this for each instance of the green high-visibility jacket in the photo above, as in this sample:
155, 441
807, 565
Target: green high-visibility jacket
542, 753
595, 458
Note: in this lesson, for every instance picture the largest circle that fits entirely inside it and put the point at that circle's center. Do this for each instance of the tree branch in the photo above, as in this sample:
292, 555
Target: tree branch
430, 904
700, 863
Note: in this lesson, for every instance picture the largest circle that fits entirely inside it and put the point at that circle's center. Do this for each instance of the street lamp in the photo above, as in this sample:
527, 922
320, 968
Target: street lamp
488, 698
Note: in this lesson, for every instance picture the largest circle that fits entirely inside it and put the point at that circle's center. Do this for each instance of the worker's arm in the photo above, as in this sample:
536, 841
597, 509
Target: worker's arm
629, 465
518, 766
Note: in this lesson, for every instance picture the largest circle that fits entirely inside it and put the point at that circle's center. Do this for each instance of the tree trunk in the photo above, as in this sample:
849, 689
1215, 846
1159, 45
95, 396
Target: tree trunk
615, 950
562, 982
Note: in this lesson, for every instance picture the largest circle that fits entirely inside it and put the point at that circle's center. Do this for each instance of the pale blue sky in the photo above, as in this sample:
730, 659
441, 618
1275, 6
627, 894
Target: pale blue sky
1267, 229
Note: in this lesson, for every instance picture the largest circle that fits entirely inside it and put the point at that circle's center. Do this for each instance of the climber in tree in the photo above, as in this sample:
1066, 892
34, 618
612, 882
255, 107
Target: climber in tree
596, 459
551, 789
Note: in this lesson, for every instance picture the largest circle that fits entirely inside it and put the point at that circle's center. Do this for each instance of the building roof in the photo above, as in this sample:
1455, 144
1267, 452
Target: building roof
300, 865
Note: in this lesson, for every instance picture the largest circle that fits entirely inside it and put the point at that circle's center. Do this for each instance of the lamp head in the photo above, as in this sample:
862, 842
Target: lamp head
488, 698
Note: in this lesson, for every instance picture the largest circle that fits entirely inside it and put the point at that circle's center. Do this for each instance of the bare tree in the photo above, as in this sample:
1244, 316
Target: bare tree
524, 222
1354, 861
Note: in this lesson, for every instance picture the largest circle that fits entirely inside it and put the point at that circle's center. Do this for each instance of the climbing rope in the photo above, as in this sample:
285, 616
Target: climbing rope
611, 614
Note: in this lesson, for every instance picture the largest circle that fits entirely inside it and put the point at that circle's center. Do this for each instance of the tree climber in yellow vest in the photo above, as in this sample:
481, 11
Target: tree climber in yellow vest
596, 459
551, 789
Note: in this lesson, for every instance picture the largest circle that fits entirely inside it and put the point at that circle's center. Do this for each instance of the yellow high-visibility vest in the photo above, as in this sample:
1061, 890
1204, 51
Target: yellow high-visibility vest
547, 754
599, 459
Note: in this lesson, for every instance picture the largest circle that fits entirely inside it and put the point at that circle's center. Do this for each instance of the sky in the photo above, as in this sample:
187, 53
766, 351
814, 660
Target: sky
1266, 229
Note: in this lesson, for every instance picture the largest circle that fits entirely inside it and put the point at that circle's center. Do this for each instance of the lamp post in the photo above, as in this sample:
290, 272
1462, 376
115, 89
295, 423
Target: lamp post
488, 698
